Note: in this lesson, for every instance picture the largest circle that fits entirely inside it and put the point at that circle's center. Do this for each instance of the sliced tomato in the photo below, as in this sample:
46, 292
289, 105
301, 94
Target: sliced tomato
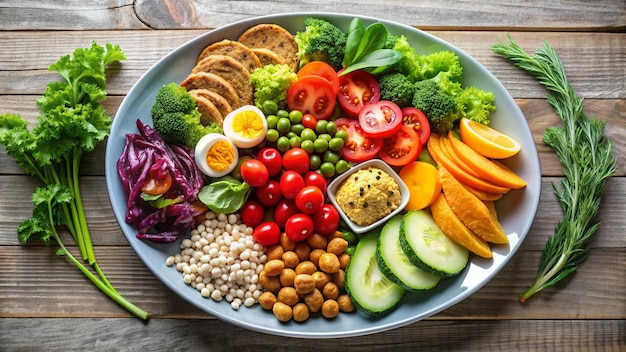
358, 147
312, 95
356, 89
321, 69
418, 121
401, 148
380, 119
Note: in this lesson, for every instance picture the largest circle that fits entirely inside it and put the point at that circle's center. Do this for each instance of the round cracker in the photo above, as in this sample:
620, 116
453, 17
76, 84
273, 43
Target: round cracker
211, 81
232, 71
266, 56
275, 38
234, 49
208, 111
219, 101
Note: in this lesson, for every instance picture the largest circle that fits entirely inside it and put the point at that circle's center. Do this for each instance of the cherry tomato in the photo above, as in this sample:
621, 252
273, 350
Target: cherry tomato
284, 210
252, 213
418, 121
291, 182
380, 119
326, 220
358, 147
254, 172
312, 95
299, 227
269, 194
312, 178
401, 148
158, 180
271, 158
356, 89
321, 69
266, 234
309, 121
296, 159
310, 199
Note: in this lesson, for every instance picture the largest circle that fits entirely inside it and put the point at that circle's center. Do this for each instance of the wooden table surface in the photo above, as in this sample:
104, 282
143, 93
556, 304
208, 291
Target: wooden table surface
47, 304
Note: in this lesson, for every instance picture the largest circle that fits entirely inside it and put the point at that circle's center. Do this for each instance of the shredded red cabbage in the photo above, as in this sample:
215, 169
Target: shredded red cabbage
143, 152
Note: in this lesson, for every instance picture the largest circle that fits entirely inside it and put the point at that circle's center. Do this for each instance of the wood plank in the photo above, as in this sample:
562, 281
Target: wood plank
16, 207
167, 14
50, 286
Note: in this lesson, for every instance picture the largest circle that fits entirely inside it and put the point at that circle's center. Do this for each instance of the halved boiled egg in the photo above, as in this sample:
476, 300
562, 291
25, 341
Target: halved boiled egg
245, 126
216, 155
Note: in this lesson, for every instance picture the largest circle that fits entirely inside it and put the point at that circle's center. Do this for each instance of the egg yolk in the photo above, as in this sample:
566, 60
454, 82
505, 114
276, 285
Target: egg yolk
220, 156
248, 124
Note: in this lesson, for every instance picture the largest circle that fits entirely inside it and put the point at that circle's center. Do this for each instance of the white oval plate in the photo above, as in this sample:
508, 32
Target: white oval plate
516, 210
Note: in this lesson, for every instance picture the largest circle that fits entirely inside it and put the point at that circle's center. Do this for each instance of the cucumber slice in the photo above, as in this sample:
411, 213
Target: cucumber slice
428, 247
395, 264
369, 289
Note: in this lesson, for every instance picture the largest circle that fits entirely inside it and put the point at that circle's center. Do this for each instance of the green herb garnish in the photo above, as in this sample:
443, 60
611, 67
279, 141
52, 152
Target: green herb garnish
586, 157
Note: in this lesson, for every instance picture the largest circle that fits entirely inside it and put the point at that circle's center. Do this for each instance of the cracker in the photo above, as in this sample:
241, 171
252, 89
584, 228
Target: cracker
275, 38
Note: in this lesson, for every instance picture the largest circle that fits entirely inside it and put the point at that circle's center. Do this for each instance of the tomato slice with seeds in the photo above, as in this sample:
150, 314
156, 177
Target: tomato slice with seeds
320, 69
380, 119
356, 89
401, 148
418, 121
358, 147
312, 95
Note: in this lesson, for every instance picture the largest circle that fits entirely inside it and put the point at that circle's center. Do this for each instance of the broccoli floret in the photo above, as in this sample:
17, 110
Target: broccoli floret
476, 104
397, 88
439, 107
321, 41
176, 118
271, 82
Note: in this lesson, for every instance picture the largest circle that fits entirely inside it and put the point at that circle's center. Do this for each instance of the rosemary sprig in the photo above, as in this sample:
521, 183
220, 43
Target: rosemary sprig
586, 156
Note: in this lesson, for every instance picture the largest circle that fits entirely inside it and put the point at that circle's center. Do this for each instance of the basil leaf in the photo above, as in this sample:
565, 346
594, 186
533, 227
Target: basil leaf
378, 58
226, 195
355, 34
373, 39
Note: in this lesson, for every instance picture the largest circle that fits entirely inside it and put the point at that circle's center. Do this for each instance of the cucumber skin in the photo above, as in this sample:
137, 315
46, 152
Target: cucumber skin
385, 268
372, 236
413, 258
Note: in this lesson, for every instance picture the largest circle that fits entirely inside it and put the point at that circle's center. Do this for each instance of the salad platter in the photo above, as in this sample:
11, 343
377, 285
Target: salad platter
516, 211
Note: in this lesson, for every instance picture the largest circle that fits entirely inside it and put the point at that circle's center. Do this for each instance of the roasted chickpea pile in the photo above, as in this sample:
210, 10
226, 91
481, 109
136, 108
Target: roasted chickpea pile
301, 278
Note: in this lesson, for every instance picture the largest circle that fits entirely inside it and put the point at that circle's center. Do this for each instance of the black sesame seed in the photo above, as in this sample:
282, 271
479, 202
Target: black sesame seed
361, 189
365, 205
378, 177
388, 203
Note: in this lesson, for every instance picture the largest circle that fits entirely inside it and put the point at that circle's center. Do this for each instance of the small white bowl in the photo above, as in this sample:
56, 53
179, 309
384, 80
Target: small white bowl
334, 185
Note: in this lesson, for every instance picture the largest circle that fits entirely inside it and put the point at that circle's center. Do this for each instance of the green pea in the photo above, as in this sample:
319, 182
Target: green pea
315, 162
295, 141
308, 134
283, 144
282, 113
325, 136
331, 128
321, 145
320, 126
269, 107
341, 133
350, 236
297, 128
331, 157
290, 134
350, 250
308, 146
327, 169
283, 125
335, 144
271, 121
342, 166
272, 135
295, 116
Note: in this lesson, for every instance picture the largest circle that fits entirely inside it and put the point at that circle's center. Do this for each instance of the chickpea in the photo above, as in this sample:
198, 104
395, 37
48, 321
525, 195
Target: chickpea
274, 252
330, 291
267, 300
269, 283
330, 309
303, 250
274, 267
300, 312
336, 234
290, 258
339, 278
306, 267
321, 278
329, 263
304, 283
315, 255
286, 242
282, 312
337, 246
286, 277
345, 303
314, 300
344, 259
288, 296
317, 241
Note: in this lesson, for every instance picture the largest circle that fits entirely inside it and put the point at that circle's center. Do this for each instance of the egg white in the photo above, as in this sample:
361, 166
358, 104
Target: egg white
202, 148
239, 140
